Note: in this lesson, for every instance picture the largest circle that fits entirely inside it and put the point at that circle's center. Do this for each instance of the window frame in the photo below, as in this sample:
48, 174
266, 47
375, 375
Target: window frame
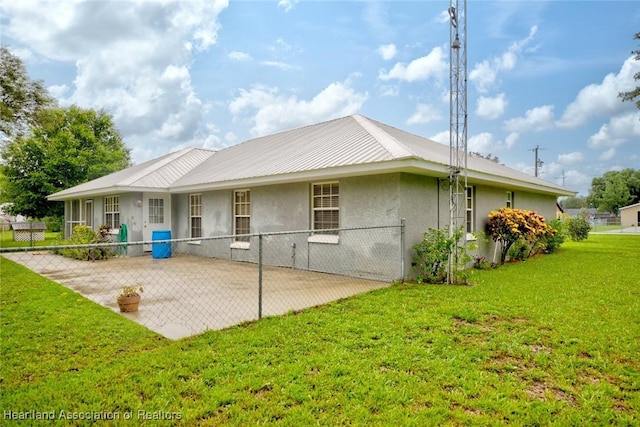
195, 213
156, 210
112, 212
240, 216
325, 207
510, 197
470, 199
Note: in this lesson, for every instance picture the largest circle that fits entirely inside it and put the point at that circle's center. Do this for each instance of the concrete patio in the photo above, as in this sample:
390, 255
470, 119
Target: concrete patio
186, 295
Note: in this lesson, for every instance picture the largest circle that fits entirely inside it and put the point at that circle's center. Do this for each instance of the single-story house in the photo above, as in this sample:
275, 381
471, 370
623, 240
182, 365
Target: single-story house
630, 216
348, 172
592, 215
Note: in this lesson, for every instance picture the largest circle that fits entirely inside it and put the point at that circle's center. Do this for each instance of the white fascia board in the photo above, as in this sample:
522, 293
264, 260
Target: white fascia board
116, 189
376, 168
409, 165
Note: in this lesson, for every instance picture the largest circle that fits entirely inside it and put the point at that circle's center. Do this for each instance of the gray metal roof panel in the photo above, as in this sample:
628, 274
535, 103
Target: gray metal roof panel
157, 173
334, 143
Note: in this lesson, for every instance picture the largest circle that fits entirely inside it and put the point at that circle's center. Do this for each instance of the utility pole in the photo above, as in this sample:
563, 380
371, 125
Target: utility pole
457, 129
537, 162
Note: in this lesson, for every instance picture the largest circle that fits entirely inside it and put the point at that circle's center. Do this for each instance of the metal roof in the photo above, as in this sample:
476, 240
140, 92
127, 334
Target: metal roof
348, 146
157, 174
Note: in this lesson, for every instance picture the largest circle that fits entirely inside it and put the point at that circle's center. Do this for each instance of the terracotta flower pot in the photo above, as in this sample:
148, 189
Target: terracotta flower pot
129, 304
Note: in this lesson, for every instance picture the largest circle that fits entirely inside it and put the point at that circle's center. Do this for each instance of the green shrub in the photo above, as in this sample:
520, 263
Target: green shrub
83, 235
431, 261
578, 228
553, 241
519, 250
507, 226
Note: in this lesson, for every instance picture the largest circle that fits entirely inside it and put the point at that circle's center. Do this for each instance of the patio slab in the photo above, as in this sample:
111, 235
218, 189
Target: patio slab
186, 295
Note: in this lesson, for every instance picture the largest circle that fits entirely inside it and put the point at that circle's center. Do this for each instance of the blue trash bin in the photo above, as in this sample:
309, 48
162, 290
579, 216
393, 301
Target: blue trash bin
161, 250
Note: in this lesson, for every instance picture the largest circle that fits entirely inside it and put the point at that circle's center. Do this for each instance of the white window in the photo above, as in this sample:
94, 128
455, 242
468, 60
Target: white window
195, 214
156, 211
112, 211
326, 206
242, 214
88, 213
509, 199
471, 226
75, 215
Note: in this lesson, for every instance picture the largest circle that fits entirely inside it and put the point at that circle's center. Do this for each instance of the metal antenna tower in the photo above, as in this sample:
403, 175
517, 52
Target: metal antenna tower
457, 128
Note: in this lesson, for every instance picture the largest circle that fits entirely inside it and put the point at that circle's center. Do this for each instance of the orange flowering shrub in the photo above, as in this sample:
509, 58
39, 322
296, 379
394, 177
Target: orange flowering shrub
507, 226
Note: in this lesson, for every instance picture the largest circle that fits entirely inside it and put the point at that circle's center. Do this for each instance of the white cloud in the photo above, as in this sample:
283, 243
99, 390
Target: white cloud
441, 137
272, 111
58, 91
608, 154
485, 73
287, 5
432, 65
481, 143
603, 139
131, 58
389, 90
572, 179
485, 143
491, 108
387, 51
571, 158
511, 139
535, 119
442, 17
239, 56
620, 129
601, 100
424, 113
280, 65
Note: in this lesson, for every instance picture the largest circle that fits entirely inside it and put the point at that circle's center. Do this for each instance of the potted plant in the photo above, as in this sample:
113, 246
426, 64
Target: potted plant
129, 298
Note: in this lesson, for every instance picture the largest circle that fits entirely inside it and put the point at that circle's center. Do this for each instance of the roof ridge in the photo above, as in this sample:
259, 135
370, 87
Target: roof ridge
397, 149
154, 166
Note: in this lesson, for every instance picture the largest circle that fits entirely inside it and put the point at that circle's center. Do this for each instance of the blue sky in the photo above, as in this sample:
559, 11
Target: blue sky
216, 73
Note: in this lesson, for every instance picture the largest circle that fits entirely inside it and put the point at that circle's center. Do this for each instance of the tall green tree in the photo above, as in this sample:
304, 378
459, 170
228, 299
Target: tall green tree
635, 93
70, 146
20, 97
615, 189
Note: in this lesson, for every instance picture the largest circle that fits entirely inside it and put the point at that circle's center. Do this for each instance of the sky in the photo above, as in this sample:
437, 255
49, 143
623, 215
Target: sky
215, 73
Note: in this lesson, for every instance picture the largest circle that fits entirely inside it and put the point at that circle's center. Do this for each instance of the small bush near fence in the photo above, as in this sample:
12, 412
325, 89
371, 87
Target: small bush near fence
83, 235
578, 228
431, 261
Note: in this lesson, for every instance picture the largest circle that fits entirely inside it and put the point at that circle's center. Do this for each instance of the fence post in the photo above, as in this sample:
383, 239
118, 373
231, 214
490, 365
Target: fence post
259, 276
402, 263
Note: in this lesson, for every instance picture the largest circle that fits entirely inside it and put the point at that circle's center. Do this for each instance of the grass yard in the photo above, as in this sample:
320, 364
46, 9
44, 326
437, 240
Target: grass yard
553, 340
6, 240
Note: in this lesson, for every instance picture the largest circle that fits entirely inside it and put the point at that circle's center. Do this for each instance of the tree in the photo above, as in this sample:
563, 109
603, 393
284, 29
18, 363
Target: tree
71, 146
615, 189
571, 202
20, 97
635, 93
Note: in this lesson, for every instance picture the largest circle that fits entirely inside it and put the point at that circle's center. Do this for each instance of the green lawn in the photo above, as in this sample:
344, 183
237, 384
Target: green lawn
553, 340
6, 240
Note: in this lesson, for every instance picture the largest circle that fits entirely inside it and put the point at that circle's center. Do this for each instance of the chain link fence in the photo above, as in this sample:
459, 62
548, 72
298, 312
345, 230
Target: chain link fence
192, 285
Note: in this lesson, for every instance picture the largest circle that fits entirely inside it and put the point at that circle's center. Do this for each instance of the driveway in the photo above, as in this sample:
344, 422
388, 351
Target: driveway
186, 295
